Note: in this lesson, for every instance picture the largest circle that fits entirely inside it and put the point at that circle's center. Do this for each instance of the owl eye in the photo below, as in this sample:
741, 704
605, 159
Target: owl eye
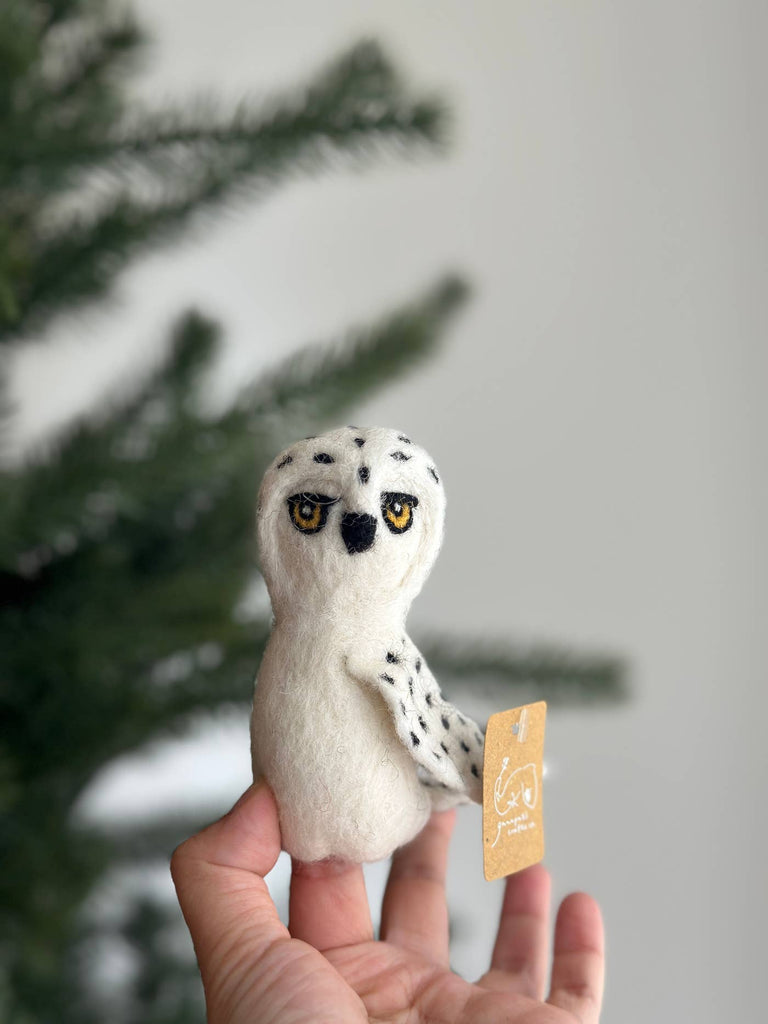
309, 512
397, 510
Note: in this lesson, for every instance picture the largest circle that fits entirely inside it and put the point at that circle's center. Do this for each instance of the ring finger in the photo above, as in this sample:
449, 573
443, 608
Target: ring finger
519, 962
414, 914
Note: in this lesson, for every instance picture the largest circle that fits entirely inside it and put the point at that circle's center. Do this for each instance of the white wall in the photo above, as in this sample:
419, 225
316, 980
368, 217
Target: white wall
605, 390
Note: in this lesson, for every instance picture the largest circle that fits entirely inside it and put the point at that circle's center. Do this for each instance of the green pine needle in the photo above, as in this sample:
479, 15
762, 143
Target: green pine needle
320, 381
159, 172
524, 673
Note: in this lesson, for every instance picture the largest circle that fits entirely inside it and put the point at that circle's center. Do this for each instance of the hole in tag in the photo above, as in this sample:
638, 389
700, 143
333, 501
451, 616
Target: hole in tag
520, 728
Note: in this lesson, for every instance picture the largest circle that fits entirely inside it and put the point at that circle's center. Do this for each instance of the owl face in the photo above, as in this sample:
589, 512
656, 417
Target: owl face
348, 517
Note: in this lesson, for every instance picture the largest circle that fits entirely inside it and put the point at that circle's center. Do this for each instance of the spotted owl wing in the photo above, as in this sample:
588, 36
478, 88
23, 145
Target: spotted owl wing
461, 737
446, 745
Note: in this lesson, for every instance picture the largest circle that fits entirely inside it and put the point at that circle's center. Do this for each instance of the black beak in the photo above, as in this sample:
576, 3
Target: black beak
358, 531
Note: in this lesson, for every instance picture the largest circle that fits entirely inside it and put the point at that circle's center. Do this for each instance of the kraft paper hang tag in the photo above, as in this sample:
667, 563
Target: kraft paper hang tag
513, 826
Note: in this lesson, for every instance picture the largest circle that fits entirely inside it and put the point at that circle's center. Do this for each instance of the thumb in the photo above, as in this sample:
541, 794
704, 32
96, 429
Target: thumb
219, 879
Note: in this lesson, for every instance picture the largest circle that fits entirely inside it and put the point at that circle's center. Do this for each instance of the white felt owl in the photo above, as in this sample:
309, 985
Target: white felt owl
349, 727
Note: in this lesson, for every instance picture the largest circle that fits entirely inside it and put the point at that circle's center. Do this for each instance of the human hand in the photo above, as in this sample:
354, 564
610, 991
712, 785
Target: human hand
327, 967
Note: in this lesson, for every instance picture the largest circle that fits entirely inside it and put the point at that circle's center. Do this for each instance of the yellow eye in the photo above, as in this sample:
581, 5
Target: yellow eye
306, 515
398, 514
397, 510
309, 512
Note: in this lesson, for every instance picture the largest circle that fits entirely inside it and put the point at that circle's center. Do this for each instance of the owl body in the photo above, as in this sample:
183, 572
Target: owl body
349, 726
345, 784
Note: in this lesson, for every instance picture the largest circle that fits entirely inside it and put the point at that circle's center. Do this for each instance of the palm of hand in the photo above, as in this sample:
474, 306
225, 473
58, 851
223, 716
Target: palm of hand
326, 965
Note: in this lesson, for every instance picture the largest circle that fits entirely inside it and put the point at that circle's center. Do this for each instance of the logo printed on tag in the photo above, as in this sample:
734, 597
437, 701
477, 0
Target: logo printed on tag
513, 827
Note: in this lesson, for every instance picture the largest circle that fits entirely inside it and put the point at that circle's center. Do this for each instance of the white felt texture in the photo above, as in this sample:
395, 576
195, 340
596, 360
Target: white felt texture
447, 745
349, 726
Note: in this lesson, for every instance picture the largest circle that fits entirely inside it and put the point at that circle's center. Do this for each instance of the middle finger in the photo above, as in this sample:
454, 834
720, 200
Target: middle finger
329, 904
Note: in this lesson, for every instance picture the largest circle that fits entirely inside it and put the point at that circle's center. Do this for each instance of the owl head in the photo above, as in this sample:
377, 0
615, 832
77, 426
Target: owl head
351, 517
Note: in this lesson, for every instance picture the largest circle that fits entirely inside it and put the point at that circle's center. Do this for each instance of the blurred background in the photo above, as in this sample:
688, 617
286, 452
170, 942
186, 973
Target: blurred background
533, 236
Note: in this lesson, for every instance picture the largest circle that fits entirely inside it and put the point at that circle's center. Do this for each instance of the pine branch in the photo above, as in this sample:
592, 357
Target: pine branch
6, 417
175, 666
157, 838
134, 461
162, 698
358, 91
106, 51
166, 987
55, 12
318, 381
52, 503
356, 110
62, 88
555, 674
18, 47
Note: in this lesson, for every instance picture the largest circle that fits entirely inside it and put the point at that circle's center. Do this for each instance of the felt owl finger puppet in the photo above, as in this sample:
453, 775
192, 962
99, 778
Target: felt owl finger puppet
349, 727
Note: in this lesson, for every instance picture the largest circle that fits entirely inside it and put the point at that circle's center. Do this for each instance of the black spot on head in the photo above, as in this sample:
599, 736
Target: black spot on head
428, 699
418, 664
364, 474
475, 772
359, 441
402, 707
387, 679
392, 658
284, 462
435, 754
464, 747
325, 458
423, 724
433, 471
400, 456
410, 685
446, 723
404, 439
415, 739
444, 747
